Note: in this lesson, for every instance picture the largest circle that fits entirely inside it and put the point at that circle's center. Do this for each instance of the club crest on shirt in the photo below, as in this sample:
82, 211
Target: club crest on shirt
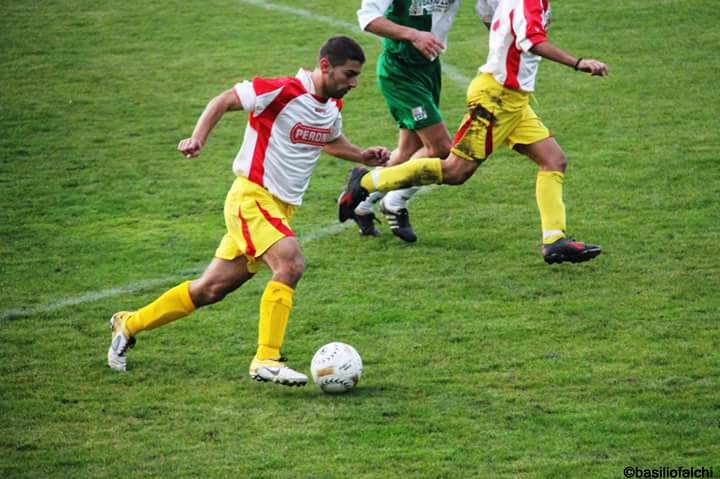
309, 135
426, 7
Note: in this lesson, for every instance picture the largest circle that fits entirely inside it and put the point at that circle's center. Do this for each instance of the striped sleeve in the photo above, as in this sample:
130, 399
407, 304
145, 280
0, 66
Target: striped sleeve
528, 26
246, 95
270, 92
370, 10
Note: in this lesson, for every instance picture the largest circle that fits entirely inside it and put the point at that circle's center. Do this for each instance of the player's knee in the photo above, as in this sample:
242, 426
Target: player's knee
291, 270
439, 151
558, 162
208, 293
457, 171
297, 268
456, 178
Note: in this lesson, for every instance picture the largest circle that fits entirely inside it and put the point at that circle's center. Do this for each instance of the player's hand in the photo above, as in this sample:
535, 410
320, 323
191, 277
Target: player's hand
428, 44
190, 147
375, 156
593, 67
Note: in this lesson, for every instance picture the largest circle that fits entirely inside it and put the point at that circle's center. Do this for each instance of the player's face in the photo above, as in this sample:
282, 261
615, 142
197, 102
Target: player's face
342, 78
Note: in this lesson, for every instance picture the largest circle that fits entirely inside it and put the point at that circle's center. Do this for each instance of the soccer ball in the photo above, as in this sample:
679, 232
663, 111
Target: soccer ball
336, 368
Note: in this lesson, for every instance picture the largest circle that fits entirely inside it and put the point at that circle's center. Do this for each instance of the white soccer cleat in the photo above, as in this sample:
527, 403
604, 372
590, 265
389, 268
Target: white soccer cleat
275, 370
121, 343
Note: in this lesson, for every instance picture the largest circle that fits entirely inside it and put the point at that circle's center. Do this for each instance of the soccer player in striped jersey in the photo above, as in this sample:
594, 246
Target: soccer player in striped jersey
499, 113
291, 120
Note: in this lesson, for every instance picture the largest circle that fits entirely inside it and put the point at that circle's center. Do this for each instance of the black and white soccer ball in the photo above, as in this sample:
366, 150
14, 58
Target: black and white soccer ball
336, 368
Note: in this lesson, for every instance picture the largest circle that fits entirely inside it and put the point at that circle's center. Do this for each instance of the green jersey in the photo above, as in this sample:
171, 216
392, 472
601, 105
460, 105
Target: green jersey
434, 16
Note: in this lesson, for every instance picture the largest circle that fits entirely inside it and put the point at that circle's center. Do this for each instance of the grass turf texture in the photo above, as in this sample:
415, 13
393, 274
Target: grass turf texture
480, 360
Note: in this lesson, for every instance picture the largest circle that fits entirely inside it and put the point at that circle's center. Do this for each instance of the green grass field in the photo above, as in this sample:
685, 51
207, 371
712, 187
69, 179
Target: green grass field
480, 360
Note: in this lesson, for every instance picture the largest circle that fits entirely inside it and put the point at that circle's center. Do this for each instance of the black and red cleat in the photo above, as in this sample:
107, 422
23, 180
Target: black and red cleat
353, 195
567, 249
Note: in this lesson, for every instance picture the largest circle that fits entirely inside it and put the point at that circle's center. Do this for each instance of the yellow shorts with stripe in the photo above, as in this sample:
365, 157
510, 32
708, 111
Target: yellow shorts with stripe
255, 221
496, 115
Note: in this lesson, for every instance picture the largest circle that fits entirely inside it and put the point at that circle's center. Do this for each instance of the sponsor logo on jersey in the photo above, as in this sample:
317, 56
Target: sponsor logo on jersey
426, 7
309, 135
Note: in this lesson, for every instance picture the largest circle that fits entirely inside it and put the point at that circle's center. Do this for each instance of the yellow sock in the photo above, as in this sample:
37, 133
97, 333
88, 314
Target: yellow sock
275, 307
174, 304
548, 193
417, 172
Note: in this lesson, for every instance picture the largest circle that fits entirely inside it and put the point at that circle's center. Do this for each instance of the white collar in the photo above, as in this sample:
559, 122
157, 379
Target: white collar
305, 77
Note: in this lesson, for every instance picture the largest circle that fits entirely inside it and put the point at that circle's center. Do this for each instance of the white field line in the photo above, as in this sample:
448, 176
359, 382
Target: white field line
329, 230
449, 70
149, 283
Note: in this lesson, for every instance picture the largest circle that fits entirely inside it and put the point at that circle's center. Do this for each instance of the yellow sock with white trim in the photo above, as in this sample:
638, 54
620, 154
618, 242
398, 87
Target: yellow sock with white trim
548, 194
275, 307
174, 304
417, 172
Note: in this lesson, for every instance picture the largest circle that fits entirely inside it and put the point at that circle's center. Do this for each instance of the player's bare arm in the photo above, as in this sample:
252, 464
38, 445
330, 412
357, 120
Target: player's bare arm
215, 109
551, 52
343, 149
425, 42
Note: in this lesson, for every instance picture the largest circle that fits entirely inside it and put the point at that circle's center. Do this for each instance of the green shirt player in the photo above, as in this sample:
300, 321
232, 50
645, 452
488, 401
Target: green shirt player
408, 73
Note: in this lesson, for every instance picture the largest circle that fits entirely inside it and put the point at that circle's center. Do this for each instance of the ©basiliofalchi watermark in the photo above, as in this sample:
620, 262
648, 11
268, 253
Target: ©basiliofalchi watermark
667, 472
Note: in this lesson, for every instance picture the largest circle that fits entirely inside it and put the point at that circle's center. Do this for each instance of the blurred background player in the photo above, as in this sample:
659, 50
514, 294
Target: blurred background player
291, 120
499, 113
409, 76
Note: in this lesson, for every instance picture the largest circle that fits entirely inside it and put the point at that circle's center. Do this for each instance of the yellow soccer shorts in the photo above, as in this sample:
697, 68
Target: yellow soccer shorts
496, 115
255, 221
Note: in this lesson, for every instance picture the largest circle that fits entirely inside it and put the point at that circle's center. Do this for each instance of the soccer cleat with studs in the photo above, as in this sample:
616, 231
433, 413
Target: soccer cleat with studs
567, 249
275, 370
120, 343
353, 194
366, 223
399, 223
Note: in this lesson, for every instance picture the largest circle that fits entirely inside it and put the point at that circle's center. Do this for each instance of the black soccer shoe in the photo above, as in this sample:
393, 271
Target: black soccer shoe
567, 249
353, 194
366, 223
399, 223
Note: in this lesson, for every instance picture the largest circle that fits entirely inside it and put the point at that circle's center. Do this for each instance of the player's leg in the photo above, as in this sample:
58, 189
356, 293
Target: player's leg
287, 263
475, 140
551, 160
414, 101
220, 278
260, 224
435, 141
416, 172
408, 143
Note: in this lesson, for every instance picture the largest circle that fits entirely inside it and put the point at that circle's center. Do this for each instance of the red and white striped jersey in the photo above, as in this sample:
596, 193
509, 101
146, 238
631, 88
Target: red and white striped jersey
287, 127
515, 27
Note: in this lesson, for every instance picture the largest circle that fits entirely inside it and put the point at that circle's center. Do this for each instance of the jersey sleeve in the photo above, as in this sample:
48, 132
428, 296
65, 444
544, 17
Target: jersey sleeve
528, 24
486, 9
246, 95
336, 129
370, 10
258, 94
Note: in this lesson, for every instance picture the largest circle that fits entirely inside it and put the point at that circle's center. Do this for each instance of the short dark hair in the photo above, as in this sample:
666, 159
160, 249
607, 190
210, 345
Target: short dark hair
340, 49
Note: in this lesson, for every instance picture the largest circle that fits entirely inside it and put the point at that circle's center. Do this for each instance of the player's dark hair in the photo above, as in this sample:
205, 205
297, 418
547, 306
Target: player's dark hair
340, 49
